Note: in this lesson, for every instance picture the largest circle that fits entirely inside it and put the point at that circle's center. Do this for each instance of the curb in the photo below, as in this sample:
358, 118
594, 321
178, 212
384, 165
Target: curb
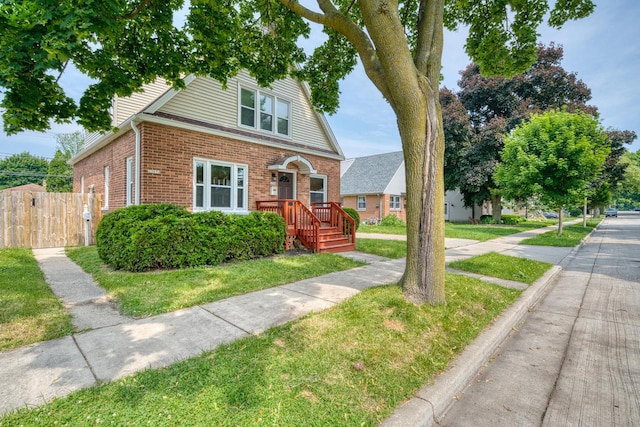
432, 401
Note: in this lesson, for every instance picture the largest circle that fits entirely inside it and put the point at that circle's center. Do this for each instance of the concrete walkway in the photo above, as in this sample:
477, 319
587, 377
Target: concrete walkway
117, 346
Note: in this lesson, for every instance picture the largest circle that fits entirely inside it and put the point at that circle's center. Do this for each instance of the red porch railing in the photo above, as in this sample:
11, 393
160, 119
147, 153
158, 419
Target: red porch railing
333, 215
324, 228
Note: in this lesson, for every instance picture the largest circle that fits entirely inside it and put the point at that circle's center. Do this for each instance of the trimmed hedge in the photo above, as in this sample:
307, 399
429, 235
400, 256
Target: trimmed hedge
512, 219
132, 239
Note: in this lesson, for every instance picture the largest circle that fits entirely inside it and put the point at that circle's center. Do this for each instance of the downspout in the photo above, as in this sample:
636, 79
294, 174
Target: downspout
380, 209
137, 174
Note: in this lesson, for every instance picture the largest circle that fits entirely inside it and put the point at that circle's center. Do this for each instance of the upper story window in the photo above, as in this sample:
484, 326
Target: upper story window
219, 186
265, 112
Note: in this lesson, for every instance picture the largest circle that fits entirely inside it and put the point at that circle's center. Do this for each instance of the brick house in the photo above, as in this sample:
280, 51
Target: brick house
375, 186
207, 148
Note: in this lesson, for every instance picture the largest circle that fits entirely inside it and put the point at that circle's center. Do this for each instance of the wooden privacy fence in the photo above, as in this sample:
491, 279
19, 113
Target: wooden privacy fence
46, 220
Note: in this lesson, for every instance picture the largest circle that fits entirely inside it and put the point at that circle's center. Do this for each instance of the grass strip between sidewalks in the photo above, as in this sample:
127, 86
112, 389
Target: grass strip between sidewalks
386, 248
350, 365
481, 232
151, 293
572, 235
29, 312
504, 267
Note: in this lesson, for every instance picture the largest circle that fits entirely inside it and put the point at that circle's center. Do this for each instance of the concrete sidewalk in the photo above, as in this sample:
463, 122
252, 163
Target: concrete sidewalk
117, 346
573, 360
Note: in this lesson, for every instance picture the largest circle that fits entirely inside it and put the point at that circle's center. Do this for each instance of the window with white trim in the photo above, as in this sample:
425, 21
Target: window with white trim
318, 188
129, 181
394, 203
219, 186
264, 112
361, 204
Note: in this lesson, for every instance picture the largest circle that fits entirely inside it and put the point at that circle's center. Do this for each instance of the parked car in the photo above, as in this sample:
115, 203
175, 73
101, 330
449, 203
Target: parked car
611, 212
550, 215
637, 209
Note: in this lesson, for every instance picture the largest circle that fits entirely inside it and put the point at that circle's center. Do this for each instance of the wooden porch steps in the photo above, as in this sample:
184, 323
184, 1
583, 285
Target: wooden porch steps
326, 227
331, 239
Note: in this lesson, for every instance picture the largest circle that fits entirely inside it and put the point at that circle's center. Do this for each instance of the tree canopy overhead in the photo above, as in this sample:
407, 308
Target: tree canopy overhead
124, 44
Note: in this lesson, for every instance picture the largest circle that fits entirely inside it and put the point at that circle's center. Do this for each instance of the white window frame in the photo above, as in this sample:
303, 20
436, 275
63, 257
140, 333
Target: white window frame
206, 186
324, 187
129, 181
106, 187
394, 203
358, 208
276, 113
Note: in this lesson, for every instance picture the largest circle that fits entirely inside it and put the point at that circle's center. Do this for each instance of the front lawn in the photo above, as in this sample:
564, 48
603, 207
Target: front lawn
572, 235
352, 365
504, 267
151, 293
29, 312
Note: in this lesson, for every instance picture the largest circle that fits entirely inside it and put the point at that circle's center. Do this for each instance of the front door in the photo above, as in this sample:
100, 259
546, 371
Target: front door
285, 186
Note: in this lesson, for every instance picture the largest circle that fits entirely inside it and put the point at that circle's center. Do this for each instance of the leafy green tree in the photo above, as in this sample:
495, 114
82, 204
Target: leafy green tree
124, 44
555, 157
496, 105
60, 174
70, 144
21, 169
627, 192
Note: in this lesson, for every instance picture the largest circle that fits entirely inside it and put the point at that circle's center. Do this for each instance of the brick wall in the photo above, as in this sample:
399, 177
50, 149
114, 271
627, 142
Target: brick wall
169, 153
377, 207
92, 168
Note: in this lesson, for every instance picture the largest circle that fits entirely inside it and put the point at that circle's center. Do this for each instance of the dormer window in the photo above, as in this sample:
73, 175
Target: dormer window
264, 112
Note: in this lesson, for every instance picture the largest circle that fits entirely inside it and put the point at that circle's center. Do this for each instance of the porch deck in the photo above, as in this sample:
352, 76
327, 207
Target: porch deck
323, 228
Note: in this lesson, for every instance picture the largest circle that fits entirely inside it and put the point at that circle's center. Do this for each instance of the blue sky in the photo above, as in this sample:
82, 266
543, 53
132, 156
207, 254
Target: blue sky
603, 49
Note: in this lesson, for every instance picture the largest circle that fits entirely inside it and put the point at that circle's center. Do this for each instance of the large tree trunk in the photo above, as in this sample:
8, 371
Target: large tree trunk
560, 221
423, 279
496, 208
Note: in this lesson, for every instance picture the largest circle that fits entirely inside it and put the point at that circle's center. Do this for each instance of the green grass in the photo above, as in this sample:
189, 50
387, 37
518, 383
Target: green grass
484, 232
151, 293
383, 229
385, 248
504, 267
572, 235
481, 232
348, 366
29, 312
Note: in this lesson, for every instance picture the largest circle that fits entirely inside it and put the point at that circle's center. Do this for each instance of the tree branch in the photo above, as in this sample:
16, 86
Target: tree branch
64, 67
429, 34
334, 19
137, 10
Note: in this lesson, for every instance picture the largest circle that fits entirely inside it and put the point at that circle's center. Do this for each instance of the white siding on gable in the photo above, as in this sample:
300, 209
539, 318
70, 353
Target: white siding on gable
206, 101
123, 108
398, 183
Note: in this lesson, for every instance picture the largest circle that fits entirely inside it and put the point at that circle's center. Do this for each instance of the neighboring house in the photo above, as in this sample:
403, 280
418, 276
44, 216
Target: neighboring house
209, 148
29, 188
375, 186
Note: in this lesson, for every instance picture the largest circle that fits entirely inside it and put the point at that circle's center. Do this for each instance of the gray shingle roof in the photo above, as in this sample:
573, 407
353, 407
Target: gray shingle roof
370, 174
